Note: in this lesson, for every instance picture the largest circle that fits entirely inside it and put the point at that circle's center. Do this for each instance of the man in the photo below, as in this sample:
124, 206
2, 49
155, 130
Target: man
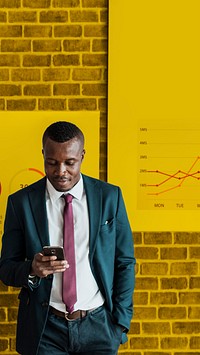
104, 269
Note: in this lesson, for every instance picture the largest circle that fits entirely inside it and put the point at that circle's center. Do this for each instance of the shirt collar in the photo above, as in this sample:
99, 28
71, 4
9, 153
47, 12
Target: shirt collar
76, 191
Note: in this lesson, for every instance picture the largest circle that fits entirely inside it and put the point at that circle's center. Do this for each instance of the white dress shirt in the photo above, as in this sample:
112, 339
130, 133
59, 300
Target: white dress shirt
88, 294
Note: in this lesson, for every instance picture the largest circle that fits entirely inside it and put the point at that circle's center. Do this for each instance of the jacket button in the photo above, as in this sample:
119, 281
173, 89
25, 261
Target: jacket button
45, 304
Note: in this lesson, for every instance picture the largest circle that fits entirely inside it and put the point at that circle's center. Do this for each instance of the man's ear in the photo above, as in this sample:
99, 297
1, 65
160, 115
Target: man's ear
83, 154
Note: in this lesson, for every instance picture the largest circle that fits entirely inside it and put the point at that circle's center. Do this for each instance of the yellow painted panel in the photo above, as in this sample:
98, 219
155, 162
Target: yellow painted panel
154, 111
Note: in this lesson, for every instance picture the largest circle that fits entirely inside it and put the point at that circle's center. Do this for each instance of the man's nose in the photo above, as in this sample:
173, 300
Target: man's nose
61, 169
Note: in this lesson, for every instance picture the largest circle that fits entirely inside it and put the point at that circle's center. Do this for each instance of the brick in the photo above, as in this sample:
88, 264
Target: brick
95, 3
173, 253
146, 283
95, 31
10, 90
94, 89
22, 16
174, 343
3, 315
65, 60
146, 253
176, 283
37, 60
10, 31
137, 238
157, 353
37, 3
4, 75
186, 268
104, 16
194, 252
21, 105
56, 74
82, 104
144, 313
53, 16
25, 75
156, 268
195, 343
3, 16
172, 312
187, 353
158, 238
100, 45
83, 16
102, 104
94, 60
194, 282
52, 104
10, 3
37, 90
134, 328
186, 327
194, 312
103, 135
144, 343
105, 75
2, 104
6, 329
37, 31
86, 74
13, 344
4, 345
78, 45
163, 298
187, 238
68, 31
156, 328
66, 89
15, 46
140, 298
46, 46
189, 298
66, 3
103, 175
12, 314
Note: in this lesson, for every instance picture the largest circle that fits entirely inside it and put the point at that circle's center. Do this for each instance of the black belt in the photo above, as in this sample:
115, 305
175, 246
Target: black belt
71, 316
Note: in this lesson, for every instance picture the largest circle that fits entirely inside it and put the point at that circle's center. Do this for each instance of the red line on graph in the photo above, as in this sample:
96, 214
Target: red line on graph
179, 175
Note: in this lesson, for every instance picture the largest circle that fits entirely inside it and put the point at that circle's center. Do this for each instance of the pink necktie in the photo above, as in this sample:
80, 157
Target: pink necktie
69, 275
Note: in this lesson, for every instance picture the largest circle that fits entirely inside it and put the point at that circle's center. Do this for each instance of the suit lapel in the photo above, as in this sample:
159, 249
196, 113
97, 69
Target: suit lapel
38, 205
94, 200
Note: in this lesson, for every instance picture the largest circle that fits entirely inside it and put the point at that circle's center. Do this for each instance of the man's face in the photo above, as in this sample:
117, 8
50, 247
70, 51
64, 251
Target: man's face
62, 162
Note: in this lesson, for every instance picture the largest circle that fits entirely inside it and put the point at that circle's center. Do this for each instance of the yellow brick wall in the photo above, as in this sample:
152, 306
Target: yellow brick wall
53, 56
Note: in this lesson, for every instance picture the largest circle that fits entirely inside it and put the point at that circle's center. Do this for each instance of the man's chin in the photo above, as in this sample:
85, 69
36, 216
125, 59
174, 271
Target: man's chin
62, 186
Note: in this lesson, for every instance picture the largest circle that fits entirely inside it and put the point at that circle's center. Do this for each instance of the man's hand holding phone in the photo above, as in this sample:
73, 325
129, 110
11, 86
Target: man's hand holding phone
50, 261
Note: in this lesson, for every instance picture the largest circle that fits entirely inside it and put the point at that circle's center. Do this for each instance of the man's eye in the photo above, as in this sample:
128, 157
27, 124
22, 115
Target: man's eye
51, 163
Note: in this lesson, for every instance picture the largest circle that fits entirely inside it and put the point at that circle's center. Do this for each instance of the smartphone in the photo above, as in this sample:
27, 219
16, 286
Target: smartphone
54, 250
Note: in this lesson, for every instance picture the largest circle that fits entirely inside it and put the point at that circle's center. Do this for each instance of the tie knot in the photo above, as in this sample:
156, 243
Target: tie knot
68, 198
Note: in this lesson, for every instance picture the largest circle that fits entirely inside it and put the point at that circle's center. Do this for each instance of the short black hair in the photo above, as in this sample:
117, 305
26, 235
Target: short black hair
62, 131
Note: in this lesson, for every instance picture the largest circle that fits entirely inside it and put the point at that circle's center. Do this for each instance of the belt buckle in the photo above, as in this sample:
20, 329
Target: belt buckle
66, 315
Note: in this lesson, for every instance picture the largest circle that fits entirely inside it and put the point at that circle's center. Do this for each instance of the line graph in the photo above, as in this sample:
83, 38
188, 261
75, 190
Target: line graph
180, 175
168, 164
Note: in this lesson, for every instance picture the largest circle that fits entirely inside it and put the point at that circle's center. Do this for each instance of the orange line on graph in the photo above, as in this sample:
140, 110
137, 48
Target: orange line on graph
179, 175
37, 171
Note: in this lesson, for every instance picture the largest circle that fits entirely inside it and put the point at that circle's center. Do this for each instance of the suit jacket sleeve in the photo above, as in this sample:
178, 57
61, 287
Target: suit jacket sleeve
124, 268
14, 266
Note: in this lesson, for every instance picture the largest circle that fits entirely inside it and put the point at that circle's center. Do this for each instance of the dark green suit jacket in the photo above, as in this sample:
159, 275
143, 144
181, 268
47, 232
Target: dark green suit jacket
110, 253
